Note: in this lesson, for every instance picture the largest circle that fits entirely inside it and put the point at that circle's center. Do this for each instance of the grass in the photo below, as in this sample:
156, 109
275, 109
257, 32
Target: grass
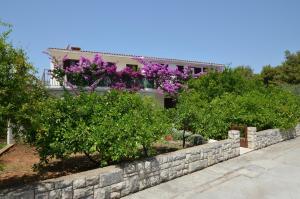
1, 167
2, 144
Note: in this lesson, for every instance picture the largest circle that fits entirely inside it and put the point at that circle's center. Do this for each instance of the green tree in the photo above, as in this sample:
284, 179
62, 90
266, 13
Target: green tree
286, 73
19, 88
106, 128
269, 74
244, 71
290, 68
186, 113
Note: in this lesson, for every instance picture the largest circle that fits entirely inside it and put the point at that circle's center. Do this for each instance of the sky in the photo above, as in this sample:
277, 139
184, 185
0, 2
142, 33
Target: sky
231, 32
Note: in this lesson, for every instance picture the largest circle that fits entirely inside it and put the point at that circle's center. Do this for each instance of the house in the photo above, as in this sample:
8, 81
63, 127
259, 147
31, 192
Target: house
123, 60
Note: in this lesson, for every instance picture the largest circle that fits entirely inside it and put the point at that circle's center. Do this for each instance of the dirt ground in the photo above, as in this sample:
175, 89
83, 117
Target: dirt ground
19, 161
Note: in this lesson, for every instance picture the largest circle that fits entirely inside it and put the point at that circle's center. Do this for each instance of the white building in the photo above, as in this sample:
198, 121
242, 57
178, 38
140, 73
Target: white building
122, 60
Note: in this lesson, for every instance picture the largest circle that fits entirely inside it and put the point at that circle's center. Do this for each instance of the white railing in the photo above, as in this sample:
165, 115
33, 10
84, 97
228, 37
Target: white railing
48, 80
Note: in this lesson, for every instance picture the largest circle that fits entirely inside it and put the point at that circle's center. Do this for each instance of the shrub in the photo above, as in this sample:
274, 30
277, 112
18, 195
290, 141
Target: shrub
19, 88
276, 109
212, 112
107, 128
215, 84
186, 113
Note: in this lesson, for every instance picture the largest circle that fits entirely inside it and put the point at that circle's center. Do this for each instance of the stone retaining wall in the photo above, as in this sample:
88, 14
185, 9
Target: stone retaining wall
261, 139
297, 130
121, 180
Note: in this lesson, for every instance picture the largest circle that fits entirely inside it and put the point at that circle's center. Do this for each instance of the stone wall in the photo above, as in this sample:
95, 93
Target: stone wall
261, 139
121, 180
297, 130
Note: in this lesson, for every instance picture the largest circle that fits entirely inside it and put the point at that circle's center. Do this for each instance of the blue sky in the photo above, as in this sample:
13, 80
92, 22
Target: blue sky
236, 32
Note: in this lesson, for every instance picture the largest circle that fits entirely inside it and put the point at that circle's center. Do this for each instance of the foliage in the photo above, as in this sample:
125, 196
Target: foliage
244, 71
290, 68
269, 74
215, 84
106, 128
288, 72
164, 78
231, 99
294, 88
19, 88
97, 72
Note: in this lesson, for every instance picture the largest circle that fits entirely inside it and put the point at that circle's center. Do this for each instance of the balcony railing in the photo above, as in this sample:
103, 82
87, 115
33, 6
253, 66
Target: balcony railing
48, 80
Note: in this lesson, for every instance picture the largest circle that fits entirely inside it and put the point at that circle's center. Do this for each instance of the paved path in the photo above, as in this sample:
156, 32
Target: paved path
272, 172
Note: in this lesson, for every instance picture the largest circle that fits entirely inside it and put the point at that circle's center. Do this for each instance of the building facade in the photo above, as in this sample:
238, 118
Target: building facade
73, 54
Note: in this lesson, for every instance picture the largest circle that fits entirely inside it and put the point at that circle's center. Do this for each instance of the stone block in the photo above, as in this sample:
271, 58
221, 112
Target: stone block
165, 165
101, 192
117, 187
155, 165
20, 195
147, 166
83, 192
112, 177
133, 183
63, 183
44, 195
144, 183
115, 195
193, 158
129, 168
92, 180
79, 183
195, 166
234, 134
44, 186
140, 166
297, 129
55, 194
164, 175
154, 180
67, 193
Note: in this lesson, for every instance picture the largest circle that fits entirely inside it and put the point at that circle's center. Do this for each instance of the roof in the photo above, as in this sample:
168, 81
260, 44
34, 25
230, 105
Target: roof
145, 57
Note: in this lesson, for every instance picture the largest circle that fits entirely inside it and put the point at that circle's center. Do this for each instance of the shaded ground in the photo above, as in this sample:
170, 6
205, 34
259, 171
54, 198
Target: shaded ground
18, 164
272, 172
2, 143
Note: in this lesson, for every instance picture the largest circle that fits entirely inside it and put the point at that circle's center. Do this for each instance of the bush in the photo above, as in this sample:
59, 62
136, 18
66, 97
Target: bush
276, 109
107, 128
212, 112
185, 114
215, 84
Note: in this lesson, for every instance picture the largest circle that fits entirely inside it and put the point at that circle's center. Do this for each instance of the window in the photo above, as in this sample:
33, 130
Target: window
205, 70
180, 68
70, 62
110, 63
132, 66
169, 103
197, 70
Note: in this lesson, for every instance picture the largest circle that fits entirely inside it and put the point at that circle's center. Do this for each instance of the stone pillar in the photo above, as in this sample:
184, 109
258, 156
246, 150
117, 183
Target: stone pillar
234, 134
297, 130
10, 138
251, 136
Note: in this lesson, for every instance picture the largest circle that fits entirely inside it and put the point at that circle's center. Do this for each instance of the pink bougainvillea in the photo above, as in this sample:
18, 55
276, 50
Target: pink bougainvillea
97, 72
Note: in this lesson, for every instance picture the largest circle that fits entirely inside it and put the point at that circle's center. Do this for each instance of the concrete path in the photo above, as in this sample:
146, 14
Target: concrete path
272, 172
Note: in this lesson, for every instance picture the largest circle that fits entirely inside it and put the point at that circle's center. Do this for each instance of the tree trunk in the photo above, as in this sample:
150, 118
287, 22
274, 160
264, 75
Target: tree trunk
145, 151
91, 159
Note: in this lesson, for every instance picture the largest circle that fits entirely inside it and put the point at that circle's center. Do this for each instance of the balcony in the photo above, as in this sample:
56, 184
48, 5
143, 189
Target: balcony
53, 86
